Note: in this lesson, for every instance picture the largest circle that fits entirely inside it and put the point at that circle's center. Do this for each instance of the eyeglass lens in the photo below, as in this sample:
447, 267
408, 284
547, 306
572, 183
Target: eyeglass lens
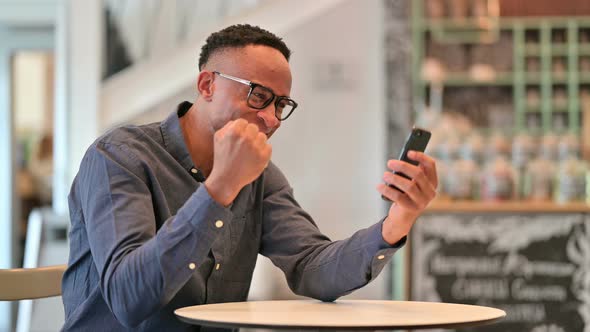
260, 97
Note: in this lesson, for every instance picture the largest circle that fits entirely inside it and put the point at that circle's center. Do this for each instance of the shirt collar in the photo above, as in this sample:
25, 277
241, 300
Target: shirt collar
173, 138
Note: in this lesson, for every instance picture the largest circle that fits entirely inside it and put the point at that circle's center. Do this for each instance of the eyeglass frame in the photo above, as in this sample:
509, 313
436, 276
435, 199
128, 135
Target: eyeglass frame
252, 86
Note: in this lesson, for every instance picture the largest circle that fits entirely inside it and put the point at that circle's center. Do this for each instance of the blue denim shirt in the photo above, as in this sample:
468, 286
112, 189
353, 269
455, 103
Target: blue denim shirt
146, 238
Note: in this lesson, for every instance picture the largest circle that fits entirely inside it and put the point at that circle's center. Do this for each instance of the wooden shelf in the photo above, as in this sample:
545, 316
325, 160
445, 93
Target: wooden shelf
465, 80
557, 49
472, 23
554, 109
444, 205
505, 79
506, 23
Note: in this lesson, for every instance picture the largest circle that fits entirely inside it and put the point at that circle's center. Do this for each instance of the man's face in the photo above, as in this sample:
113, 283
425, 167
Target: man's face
259, 64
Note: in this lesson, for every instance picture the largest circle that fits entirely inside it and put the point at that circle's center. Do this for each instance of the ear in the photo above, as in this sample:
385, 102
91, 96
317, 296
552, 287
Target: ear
205, 86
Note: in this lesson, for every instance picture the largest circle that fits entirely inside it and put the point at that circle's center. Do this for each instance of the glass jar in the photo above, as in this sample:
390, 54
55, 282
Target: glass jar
461, 180
568, 147
498, 146
570, 181
473, 148
523, 150
441, 171
548, 147
538, 180
449, 149
498, 180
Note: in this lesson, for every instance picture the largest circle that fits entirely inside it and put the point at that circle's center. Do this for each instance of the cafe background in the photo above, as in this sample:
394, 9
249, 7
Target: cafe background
503, 85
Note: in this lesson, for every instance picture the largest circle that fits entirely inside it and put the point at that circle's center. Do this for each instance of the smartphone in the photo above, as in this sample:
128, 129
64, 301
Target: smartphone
417, 141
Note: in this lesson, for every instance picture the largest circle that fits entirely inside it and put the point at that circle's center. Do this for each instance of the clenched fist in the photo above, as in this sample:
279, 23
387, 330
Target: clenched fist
240, 154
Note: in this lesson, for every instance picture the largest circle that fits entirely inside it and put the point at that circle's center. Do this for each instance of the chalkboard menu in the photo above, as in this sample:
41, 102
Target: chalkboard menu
535, 267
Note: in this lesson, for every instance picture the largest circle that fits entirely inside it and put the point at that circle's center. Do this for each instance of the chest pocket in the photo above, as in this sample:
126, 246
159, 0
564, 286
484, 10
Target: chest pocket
244, 232
244, 238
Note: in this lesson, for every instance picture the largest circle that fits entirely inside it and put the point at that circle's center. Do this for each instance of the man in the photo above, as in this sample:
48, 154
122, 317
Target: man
173, 214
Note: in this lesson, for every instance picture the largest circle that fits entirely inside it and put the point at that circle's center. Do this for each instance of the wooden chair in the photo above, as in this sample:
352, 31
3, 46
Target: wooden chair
31, 283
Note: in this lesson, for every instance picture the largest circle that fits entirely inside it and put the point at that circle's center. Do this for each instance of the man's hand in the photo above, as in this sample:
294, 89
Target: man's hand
241, 153
417, 194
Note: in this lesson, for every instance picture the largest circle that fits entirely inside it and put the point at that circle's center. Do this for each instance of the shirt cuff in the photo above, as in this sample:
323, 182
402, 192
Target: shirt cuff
383, 251
208, 210
383, 244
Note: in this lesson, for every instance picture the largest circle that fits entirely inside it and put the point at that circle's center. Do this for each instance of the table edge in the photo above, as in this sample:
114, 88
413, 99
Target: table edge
210, 323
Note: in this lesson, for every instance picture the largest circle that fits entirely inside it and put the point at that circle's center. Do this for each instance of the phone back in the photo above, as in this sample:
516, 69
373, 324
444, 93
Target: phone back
416, 141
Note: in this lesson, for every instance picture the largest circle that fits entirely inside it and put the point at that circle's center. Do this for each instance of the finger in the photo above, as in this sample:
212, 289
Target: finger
261, 138
239, 124
416, 172
234, 128
410, 188
421, 188
427, 189
404, 167
251, 131
397, 180
396, 196
427, 163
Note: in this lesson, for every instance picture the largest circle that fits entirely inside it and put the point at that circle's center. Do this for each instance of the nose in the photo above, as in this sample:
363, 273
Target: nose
268, 116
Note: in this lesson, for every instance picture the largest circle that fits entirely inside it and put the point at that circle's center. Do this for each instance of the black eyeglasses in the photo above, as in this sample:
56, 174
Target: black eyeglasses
259, 97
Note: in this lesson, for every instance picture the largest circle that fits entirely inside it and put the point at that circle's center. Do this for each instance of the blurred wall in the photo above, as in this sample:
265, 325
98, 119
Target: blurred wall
332, 149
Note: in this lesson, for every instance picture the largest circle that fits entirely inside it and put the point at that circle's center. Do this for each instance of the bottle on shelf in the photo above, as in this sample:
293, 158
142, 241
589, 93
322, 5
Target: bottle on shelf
498, 146
568, 147
449, 149
570, 181
538, 180
442, 170
548, 147
473, 148
523, 151
499, 180
461, 180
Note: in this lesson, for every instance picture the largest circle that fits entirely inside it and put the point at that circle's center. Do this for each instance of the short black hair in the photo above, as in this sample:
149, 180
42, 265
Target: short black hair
240, 35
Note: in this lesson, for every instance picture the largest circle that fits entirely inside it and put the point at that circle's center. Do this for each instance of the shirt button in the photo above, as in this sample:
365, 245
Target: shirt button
217, 266
192, 266
380, 257
194, 170
219, 224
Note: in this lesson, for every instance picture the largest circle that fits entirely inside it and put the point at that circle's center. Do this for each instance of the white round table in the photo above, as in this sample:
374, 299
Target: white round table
340, 315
